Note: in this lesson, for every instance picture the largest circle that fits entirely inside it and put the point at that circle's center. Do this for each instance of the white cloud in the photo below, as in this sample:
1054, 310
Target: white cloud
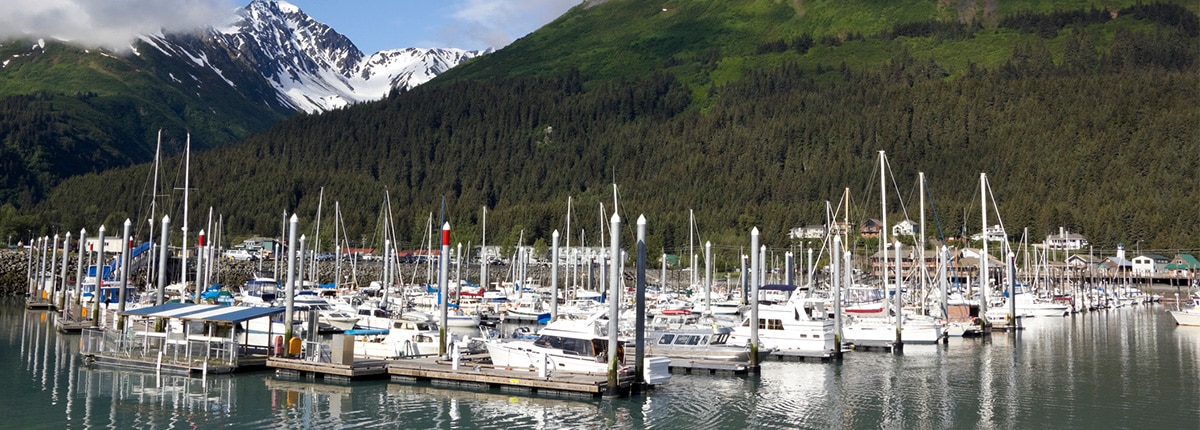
497, 23
109, 23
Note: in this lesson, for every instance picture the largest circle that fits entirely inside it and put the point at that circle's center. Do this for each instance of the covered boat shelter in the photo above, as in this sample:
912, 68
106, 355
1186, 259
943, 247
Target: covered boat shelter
193, 338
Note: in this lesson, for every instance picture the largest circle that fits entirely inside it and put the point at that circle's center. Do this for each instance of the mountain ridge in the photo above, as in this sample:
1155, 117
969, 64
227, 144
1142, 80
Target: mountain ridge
104, 107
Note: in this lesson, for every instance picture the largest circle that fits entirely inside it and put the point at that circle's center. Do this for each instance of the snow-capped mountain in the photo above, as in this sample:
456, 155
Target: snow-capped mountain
310, 66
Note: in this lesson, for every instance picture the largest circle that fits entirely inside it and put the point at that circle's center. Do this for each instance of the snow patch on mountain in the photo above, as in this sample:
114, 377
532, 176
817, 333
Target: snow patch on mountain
310, 66
315, 68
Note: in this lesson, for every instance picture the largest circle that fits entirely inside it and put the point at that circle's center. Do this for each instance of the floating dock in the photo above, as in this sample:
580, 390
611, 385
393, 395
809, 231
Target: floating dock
796, 355
877, 345
476, 375
359, 369
70, 325
485, 377
39, 304
703, 367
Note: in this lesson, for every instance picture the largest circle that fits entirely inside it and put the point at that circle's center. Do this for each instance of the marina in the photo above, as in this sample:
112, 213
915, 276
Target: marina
1125, 367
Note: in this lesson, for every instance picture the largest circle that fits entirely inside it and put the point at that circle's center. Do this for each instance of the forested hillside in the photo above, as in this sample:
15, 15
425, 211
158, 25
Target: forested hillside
66, 111
1082, 119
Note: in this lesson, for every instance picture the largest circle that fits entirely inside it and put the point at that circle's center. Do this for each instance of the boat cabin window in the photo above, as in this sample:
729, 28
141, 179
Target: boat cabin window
718, 339
576, 346
666, 339
687, 339
770, 324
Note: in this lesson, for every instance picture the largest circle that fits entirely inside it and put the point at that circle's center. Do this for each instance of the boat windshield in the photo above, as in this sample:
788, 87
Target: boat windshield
567, 345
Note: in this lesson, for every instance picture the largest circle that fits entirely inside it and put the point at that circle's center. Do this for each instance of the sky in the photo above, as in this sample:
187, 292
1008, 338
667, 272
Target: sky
375, 25
372, 25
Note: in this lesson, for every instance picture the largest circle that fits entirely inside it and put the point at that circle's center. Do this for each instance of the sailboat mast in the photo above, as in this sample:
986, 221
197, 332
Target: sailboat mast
921, 246
692, 244
316, 249
883, 228
337, 246
571, 263
846, 224
187, 167
983, 259
153, 198
483, 256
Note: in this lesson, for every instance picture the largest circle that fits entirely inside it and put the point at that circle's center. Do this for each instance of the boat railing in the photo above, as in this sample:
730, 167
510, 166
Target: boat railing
173, 349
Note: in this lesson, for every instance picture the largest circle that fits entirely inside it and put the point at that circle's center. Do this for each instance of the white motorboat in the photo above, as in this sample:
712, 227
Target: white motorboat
787, 325
1188, 314
411, 336
718, 307
872, 330
695, 337
337, 319
565, 345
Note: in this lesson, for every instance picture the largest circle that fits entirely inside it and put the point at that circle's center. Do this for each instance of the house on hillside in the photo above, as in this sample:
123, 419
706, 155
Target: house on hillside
1117, 264
1083, 262
263, 246
905, 228
111, 244
870, 228
816, 231
1183, 266
1066, 240
994, 233
1149, 264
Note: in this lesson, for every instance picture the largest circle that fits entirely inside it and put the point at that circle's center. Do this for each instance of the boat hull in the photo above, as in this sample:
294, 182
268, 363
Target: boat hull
1186, 317
521, 354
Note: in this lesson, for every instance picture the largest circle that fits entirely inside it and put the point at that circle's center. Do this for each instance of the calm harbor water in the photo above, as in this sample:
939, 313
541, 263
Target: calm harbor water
1122, 368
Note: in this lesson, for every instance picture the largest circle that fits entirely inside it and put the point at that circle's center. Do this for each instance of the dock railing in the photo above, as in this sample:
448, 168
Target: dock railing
172, 349
317, 352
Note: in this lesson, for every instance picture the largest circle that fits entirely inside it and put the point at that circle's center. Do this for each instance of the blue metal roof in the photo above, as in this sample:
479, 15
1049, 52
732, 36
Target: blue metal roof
194, 312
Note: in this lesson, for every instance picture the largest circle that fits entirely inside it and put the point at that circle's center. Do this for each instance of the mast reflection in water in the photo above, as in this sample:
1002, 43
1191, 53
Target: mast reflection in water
1128, 367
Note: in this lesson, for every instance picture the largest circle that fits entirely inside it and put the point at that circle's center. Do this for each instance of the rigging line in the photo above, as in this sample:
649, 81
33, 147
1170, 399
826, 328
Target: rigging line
866, 196
999, 219
891, 174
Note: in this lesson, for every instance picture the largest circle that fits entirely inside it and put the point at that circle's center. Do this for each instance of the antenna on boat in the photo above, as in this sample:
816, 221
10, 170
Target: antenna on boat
615, 196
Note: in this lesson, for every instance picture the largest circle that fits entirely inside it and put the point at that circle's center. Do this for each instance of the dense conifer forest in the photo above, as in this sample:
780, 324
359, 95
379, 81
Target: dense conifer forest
1084, 119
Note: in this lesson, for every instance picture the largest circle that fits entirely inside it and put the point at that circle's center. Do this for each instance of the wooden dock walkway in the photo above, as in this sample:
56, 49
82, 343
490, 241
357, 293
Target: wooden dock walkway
70, 325
362, 368
485, 376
